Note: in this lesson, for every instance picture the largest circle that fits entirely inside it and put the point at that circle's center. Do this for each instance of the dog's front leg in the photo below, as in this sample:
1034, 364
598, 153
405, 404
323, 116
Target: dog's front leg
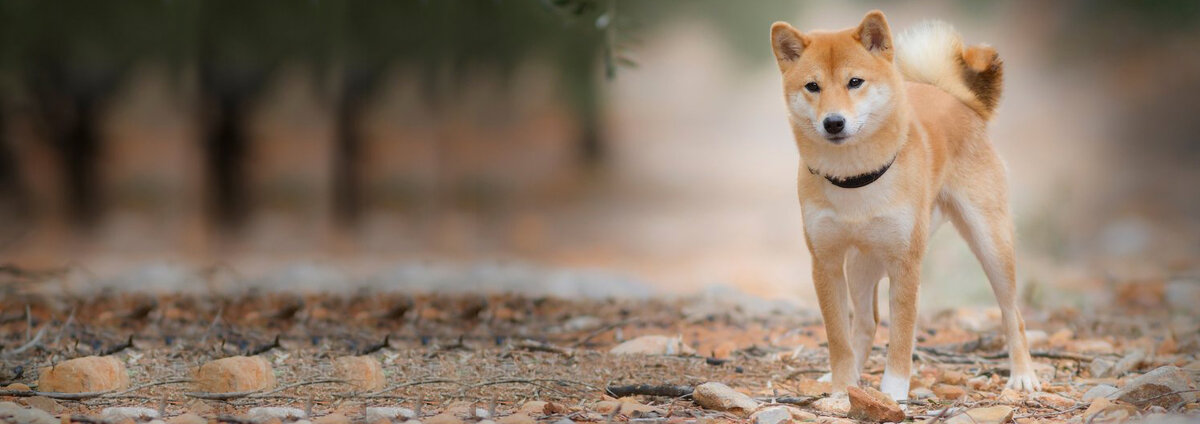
905, 281
833, 295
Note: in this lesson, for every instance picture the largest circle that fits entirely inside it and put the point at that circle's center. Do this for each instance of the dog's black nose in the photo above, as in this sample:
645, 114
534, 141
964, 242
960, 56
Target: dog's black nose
834, 124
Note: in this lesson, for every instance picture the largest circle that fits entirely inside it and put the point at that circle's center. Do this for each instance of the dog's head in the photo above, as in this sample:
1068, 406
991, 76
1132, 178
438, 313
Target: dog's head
840, 86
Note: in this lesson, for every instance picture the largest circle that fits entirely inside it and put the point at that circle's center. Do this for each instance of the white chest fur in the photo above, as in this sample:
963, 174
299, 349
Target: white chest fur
867, 217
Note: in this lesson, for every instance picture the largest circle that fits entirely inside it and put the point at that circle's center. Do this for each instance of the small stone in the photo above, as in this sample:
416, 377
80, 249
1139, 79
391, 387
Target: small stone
198, 406
444, 418
628, 406
780, 415
810, 387
18, 387
264, 413
952, 377
653, 345
376, 413
43, 403
991, 415
519, 418
720, 397
1010, 396
1100, 367
978, 382
86, 374
1099, 391
1147, 388
948, 392
235, 374
534, 407
921, 393
334, 418
364, 373
16, 414
122, 413
833, 405
1053, 400
1129, 363
868, 404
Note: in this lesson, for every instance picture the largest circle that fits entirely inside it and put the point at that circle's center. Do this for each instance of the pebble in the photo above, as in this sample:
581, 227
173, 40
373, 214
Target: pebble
1156, 383
334, 418
43, 403
1053, 400
868, 404
444, 418
990, 415
628, 406
533, 407
364, 373
16, 414
1010, 396
771, 415
1129, 363
1099, 391
1100, 367
952, 377
654, 345
519, 418
376, 413
720, 397
86, 374
17, 387
833, 405
948, 392
188, 418
235, 374
921, 393
264, 413
134, 413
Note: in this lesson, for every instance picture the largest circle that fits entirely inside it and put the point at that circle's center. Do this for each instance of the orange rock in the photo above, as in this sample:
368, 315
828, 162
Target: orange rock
365, 373
948, 392
334, 418
235, 374
724, 350
868, 404
809, 387
86, 374
952, 377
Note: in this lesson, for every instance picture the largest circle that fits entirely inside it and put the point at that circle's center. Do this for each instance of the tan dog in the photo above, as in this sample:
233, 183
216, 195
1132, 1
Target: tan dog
893, 141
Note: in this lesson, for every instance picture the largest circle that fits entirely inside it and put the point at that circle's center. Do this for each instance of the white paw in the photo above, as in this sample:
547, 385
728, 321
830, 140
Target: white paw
1024, 382
826, 378
894, 386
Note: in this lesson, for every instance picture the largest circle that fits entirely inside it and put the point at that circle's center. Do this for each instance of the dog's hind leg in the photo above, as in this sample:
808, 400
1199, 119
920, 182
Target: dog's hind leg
982, 217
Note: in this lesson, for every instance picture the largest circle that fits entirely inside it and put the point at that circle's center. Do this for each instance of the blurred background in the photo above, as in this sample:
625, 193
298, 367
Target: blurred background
573, 147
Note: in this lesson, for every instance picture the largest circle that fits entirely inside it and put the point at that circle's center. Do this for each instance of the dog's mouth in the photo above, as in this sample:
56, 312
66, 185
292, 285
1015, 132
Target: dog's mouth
837, 138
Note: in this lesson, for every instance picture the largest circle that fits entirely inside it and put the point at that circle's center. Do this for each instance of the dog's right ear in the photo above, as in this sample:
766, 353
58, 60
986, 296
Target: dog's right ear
787, 42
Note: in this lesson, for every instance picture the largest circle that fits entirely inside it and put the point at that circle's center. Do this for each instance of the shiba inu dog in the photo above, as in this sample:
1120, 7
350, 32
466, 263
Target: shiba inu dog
892, 135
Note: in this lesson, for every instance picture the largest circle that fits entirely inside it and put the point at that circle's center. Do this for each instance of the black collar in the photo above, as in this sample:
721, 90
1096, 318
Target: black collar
857, 180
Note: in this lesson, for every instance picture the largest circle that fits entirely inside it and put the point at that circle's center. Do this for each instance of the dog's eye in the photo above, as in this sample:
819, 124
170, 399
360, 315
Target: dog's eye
812, 87
855, 83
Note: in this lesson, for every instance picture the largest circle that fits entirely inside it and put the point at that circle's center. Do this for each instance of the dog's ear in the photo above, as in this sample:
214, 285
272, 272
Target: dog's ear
875, 35
787, 42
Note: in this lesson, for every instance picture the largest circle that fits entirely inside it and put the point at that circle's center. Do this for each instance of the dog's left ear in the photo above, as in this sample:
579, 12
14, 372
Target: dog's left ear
875, 35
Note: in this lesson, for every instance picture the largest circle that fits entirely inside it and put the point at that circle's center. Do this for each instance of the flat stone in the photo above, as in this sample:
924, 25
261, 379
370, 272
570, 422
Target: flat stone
86, 374
285, 414
235, 374
833, 405
720, 397
1129, 363
948, 392
519, 418
376, 413
533, 407
990, 415
868, 404
16, 414
921, 393
771, 415
1153, 387
1010, 396
1053, 400
334, 418
188, 418
43, 403
627, 406
444, 418
1099, 391
653, 345
1100, 367
364, 373
133, 413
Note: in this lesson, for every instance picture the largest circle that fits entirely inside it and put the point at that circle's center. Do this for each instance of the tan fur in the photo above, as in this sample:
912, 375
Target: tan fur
944, 166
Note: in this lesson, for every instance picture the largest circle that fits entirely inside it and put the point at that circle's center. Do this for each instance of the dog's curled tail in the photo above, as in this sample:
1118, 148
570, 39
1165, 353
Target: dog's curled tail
933, 53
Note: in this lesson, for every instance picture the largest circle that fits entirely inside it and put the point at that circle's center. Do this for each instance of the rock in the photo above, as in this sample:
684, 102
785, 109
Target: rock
1146, 389
948, 392
17, 387
921, 393
868, 404
990, 415
628, 406
952, 377
133, 413
1036, 338
1104, 411
1129, 363
654, 345
334, 418
86, 374
519, 418
1053, 400
235, 374
810, 387
720, 397
364, 373
444, 418
1099, 391
833, 405
780, 414
390, 413
43, 403
16, 414
1010, 396
1100, 367
978, 383
265, 413
534, 407
189, 418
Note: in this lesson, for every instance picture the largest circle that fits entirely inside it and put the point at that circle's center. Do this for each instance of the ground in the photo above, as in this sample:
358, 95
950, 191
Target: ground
501, 352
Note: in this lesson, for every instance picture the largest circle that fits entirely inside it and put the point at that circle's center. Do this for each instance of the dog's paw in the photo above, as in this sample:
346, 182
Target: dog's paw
826, 378
1024, 382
